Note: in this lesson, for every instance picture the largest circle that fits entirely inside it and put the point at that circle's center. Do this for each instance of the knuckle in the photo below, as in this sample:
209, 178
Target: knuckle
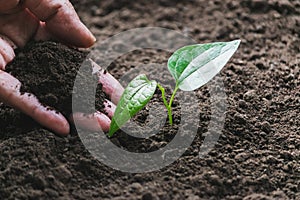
44, 10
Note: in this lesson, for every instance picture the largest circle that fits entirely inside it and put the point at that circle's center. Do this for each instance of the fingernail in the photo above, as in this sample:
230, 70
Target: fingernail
2, 63
93, 37
103, 121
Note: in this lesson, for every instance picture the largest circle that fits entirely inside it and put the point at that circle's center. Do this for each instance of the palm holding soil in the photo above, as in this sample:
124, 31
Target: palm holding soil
21, 21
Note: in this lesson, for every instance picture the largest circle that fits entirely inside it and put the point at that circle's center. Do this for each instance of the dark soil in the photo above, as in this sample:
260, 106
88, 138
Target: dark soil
48, 70
257, 155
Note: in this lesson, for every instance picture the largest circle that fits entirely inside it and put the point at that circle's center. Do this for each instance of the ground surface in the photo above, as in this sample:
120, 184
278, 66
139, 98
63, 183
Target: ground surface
257, 156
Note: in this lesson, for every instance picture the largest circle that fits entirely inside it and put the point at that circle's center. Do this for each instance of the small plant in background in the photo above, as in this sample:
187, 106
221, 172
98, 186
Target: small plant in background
191, 66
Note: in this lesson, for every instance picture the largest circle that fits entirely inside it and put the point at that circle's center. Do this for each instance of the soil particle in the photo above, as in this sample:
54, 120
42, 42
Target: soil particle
239, 118
282, 6
148, 196
249, 95
257, 197
51, 193
64, 174
266, 127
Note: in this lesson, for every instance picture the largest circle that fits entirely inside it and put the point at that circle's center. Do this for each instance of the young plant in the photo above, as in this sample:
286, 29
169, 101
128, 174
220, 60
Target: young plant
191, 66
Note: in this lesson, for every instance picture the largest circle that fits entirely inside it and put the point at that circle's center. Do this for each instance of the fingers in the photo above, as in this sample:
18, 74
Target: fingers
110, 85
6, 52
61, 21
93, 122
109, 108
19, 27
97, 121
27, 103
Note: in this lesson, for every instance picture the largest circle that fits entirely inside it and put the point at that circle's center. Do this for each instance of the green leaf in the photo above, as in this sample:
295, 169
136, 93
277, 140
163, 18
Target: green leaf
195, 65
136, 95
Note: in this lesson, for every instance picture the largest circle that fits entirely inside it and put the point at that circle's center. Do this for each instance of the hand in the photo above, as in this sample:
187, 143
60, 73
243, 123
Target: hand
23, 20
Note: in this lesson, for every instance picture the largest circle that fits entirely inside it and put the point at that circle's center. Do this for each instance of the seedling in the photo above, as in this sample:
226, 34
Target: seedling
191, 66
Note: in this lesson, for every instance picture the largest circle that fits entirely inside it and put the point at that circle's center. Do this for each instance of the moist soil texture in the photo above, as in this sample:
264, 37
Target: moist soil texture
48, 70
257, 154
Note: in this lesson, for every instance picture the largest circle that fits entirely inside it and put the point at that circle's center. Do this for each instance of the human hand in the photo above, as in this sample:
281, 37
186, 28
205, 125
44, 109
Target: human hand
23, 20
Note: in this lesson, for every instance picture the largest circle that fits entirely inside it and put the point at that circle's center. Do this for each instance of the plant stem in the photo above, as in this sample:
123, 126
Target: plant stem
168, 105
173, 95
162, 89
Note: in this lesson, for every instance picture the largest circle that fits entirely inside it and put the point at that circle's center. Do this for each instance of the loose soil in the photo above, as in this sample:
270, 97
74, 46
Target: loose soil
48, 70
257, 155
